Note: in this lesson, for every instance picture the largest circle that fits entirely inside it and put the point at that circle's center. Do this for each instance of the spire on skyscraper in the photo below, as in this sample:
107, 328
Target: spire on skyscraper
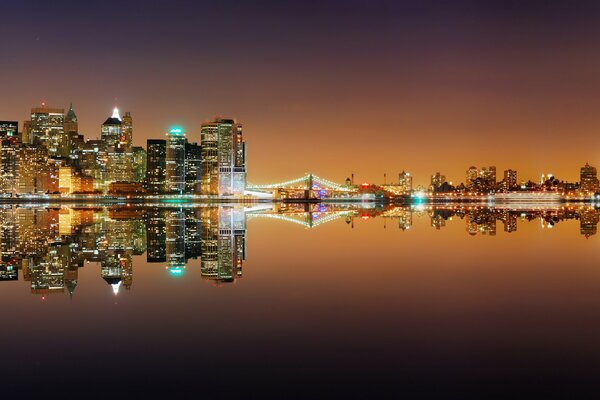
115, 114
71, 117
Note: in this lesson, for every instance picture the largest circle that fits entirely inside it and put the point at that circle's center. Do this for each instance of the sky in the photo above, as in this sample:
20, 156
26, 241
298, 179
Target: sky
329, 87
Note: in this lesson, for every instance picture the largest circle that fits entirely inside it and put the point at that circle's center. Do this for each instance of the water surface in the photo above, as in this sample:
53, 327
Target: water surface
300, 300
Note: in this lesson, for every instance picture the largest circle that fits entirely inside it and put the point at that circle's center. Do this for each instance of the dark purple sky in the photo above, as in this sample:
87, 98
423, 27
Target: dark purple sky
326, 86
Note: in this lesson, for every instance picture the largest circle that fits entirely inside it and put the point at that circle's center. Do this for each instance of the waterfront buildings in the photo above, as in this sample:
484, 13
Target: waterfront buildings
223, 166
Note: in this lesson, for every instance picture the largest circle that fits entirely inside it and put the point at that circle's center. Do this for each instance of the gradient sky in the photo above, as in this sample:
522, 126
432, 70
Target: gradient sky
325, 86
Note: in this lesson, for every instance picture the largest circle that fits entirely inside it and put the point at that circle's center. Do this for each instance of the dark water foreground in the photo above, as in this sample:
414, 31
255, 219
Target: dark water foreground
300, 301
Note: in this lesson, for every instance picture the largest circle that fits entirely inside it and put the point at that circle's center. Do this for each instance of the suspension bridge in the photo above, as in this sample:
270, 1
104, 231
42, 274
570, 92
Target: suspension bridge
307, 187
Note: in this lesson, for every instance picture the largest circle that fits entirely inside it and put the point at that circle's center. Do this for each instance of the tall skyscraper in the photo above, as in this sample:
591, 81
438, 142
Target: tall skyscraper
405, 181
175, 161
472, 174
8, 166
111, 130
70, 142
510, 179
223, 168
156, 157
46, 128
119, 157
126, 139
193, 154
588, 179
139, 163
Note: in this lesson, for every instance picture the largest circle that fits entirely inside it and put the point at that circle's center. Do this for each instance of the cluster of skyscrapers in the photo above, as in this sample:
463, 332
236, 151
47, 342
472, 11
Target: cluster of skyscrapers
51, 156
50, 245
483, 181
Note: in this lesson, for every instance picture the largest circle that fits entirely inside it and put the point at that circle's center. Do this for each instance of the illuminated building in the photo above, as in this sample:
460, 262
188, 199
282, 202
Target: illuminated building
488, 174
485, 182
111, 130
118, 150
8, 167
126, 139
193, 154
510, 179
9, 130
472, 174
45, 128
139, 164
223, 169
65, 184
156, 156
125, 188
405, 182
32, 170
175, 161
70, 140
437, 180
92, 162
588, 179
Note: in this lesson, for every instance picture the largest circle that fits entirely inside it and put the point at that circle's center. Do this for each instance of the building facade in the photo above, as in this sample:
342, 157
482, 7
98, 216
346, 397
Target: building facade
223, 170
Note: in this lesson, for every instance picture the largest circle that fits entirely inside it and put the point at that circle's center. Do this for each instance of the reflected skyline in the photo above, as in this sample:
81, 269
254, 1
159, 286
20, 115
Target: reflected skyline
49, 245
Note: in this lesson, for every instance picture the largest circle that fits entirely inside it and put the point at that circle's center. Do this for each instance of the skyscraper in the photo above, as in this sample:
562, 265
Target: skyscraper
472, 174
193, 154
32, 170
8, 165
118, 150
588, 179
405, 182
46, 128
70, 140
139, 163
156, 157
223, 168
175, 161
126, 139
510, 179
437, 180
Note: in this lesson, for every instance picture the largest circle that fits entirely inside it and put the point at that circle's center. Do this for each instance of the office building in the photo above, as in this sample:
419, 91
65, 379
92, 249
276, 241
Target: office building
45, 128
223, 170
156, 157
175, 161
588, 179
193, 154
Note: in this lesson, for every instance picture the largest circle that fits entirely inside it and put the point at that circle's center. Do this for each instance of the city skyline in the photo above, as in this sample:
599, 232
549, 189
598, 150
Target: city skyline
110, 132
433, 84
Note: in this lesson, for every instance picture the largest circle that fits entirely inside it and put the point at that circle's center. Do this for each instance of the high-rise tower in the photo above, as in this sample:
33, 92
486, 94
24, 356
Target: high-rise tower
175, 161
223, 158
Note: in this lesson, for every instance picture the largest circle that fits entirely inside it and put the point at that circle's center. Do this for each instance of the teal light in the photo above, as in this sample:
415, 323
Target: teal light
177, 271
176, 131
